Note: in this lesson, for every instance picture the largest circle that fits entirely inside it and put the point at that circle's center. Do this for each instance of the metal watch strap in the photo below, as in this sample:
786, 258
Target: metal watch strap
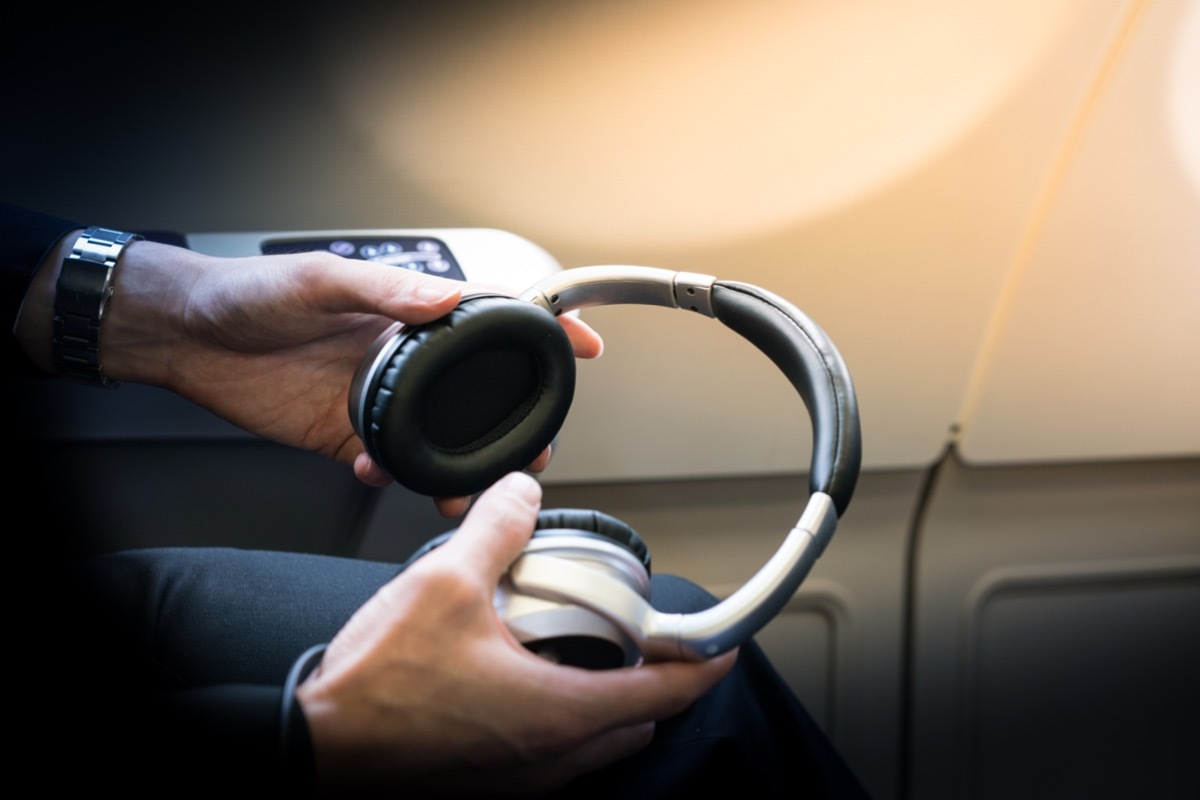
84, 287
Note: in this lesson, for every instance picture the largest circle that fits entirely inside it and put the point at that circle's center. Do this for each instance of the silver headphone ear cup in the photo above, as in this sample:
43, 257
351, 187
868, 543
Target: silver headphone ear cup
570, 633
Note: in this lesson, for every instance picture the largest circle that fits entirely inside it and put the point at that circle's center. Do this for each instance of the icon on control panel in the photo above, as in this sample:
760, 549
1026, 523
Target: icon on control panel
418, 253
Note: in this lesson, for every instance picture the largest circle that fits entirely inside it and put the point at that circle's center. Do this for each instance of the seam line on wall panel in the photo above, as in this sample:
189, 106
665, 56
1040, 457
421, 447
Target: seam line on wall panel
909, 621
1049, 192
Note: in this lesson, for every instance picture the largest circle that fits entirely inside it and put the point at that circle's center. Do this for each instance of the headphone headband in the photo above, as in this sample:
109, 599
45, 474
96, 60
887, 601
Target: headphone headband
797, 346
581, 287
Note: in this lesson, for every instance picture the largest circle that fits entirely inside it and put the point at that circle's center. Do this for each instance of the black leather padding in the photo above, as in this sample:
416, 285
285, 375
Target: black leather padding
806, 355
566, 521
588, 521
470, 397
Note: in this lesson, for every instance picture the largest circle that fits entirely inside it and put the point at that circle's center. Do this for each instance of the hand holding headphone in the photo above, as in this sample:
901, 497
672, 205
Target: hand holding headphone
449, 407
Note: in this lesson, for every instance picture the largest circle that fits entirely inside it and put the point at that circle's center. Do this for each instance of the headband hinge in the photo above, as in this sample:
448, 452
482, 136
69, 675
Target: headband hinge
693, 292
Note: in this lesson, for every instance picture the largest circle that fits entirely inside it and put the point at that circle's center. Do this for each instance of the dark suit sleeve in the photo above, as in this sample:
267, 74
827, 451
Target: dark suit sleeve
97, 698
232, 732
25, 238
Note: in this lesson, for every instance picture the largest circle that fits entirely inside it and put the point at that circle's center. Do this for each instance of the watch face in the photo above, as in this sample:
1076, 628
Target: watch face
419, 253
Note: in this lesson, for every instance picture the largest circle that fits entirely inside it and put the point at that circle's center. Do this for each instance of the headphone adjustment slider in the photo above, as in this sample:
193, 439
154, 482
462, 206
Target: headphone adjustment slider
693, 292
819, 520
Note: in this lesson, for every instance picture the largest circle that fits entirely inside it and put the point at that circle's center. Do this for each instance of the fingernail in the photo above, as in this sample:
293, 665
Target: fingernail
524, 486
433, 293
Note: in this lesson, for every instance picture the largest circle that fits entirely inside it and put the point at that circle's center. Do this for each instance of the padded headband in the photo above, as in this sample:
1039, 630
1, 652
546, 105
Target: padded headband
796, 345
806, 356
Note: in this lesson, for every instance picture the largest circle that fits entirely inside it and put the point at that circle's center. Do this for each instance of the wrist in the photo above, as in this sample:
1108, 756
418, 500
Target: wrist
295, 742
142, 328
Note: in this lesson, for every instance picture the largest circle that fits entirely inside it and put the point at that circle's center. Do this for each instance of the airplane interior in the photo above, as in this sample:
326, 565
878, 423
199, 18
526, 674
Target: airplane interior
992, 208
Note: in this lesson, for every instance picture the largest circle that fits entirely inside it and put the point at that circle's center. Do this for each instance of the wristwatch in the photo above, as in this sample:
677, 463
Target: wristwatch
84, 287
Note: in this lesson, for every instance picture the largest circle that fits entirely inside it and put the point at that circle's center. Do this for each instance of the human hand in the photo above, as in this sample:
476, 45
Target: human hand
271, 343
425, 690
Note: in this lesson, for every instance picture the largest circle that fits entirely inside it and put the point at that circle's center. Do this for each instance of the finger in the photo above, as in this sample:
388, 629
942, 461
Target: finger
370, 473
584, 339
349, 286
452, 506
498, 526
457, 506
540, 463
417, 297
624, 697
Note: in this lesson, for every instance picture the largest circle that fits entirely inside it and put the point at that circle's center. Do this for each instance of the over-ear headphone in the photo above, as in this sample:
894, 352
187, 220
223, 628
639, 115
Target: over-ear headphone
449, 407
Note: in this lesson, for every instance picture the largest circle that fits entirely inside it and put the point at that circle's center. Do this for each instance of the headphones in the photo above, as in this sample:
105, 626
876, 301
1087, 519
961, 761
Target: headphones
449, 407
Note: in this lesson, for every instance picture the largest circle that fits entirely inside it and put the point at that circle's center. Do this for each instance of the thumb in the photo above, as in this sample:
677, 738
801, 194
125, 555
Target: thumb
399, 294
498, 526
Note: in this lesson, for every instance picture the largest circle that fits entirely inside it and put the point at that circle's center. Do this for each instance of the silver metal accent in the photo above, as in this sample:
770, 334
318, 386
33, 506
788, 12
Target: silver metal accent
531, 617
84, 287
621, 285
693, 292
369, 370
741, 615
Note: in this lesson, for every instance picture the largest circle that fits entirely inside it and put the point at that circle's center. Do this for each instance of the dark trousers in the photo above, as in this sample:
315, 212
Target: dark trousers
215, 631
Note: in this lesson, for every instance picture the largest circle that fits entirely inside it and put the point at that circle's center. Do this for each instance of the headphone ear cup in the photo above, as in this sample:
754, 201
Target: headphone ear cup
563, 632
470, 397
571, 632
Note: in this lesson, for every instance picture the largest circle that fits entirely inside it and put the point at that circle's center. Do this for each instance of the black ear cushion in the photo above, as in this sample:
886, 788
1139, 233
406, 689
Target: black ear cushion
587, 521
470, 397
570, 521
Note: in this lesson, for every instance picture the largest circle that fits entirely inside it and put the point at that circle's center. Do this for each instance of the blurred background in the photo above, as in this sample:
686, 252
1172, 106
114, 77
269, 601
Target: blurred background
993, 208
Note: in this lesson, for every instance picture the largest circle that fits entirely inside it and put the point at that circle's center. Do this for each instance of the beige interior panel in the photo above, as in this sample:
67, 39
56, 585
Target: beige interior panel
875, 164
1094, 352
